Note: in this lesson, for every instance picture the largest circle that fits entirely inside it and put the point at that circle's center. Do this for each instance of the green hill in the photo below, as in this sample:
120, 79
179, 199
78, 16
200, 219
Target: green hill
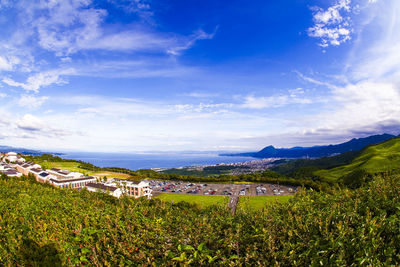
383, 157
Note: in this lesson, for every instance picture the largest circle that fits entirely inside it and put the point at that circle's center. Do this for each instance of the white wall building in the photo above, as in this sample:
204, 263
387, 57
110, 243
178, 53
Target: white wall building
103, 188
76, 183
132, 188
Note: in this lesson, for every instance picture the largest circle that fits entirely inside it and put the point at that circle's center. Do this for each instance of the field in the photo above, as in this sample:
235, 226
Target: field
259, 202
118, 175
201, 201
69, 166
254, 203
374, 159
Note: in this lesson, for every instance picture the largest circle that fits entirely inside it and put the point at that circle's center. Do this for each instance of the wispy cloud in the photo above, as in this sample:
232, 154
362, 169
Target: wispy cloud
67, 27
41, 79
276, 101
31, 101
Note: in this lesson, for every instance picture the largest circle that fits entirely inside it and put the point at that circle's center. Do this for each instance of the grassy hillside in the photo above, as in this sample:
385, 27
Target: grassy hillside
41, 225
260, 202
294, 167
374, 159
201, 201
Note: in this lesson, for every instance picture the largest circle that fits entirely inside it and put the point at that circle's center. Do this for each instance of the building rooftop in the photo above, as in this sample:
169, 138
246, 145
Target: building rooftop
44, 174
63, 172
10, 172
37, 170
102, 186
126, 181
59, 181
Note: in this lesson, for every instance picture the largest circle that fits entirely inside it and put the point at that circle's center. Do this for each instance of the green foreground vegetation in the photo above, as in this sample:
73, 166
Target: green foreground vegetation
355, 220
201, 201
41, 225
260, 202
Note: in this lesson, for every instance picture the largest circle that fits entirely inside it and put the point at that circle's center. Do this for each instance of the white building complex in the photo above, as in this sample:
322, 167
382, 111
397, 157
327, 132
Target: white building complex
15, 166
74, 183
13, 157
132, 188
103, 188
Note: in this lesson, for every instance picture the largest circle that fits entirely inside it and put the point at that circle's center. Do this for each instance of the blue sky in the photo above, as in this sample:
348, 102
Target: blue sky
146, 75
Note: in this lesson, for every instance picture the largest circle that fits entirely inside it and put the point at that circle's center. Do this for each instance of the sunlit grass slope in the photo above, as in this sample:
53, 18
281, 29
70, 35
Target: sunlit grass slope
374, 159
202, 201
259, 202
69, 166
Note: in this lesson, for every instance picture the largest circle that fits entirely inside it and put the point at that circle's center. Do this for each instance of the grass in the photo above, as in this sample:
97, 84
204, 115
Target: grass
374, 159
69, 166
202, 201
259, 202
111, 175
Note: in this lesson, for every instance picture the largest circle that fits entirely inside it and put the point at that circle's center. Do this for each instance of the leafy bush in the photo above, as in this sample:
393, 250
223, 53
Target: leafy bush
40, 224
356, 178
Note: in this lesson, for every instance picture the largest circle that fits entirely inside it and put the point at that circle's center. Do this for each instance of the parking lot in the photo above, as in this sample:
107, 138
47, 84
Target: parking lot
212, 189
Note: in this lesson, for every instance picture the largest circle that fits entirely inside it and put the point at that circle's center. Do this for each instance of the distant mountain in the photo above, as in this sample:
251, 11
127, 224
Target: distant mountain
316, 151
5, 149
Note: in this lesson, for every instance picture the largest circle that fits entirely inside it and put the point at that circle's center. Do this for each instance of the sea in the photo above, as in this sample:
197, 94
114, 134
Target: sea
136, 161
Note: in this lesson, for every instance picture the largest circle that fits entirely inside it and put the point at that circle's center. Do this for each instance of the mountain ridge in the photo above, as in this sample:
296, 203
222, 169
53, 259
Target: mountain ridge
20, 150
354, 144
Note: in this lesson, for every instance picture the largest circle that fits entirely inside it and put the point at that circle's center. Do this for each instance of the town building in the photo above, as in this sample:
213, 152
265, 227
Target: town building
64, 174
44, 177
13, 157
11, 173
103, 188
8, 170
41, 175
132, 188
73, 183
25, 168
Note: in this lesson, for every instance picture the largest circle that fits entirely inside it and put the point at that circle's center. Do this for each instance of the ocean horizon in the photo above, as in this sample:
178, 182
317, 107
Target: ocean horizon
136, 161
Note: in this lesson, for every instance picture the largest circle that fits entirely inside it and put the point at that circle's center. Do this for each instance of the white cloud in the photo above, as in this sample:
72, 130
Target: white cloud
276, 101
30, 123
330, 26
4, 64
364, 98
31, 101
68, 27
42, 79
133, 6
31, 126
6, 3
201, 95
265, 102
8, 63
190, 41
362, 104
